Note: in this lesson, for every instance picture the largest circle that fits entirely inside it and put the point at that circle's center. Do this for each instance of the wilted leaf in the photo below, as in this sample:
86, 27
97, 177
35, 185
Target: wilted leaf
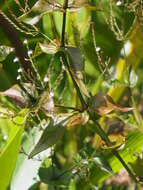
47, 103
117, 141
15, 93
79, 119
104, 104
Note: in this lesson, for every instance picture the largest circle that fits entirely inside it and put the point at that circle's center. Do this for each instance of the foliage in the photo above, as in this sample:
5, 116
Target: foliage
71, 94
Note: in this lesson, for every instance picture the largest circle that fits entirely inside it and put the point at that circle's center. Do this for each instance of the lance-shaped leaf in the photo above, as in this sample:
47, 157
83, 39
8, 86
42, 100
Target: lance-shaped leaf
51, 135
9, 154
76, 61
103, 104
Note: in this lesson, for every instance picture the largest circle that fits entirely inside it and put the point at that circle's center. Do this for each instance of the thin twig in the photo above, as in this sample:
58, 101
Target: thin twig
65, 6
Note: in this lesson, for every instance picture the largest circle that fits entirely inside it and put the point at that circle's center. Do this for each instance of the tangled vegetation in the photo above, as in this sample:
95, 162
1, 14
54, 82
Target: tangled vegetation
71, 108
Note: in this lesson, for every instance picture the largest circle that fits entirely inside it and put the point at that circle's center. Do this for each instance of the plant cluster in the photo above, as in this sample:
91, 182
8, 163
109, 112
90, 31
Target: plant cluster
70, 104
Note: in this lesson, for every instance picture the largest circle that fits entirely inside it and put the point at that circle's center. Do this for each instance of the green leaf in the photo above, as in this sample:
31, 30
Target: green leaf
76, 61
133, 145
137, 167
9, 154
76, 58
49, 137
52, 175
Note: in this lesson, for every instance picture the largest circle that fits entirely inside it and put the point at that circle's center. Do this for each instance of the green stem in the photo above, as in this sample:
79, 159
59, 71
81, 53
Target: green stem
115, 153
99, 129
67, 107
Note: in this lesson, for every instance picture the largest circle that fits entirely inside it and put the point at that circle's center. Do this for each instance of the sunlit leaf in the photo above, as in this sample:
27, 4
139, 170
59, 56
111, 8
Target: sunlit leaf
5, 112
9, 154
4, 52
133, 78
50, 48
133, 146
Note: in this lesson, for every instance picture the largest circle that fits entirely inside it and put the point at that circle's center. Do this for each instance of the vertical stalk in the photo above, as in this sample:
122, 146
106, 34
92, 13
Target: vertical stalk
65, 6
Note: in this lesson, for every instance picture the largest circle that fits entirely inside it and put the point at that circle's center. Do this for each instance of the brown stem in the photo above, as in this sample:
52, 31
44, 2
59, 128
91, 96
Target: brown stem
10, 31
64, 23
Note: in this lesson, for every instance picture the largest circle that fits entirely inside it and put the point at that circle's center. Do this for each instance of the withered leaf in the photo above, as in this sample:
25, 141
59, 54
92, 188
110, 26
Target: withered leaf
78, 119
15, 93
118, 141
103, 104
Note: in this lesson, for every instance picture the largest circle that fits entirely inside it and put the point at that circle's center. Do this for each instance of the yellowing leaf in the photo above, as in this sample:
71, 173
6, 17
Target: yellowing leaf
50, 48
78, 119
117, 142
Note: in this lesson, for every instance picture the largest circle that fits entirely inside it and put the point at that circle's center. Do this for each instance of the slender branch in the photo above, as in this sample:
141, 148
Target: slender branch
115, 153
99, 129
64, 23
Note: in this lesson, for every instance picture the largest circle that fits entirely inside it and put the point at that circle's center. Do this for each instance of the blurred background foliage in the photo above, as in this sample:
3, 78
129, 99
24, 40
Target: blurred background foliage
104, 41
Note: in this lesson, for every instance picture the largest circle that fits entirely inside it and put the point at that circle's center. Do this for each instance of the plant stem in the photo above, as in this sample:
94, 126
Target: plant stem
64, 23
99, 129
115, 153
13, 37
